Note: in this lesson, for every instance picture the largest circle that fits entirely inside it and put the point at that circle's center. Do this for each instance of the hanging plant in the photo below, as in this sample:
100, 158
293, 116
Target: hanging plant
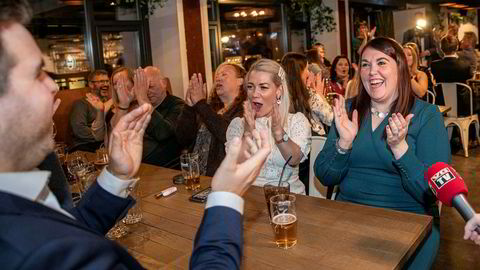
320, 15
151, 5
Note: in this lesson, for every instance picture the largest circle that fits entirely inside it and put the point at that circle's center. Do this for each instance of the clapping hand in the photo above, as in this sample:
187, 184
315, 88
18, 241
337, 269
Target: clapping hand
95, 102
197, 90
347, 129
277, 125
125, 95
316, 82
233, 176
126, 142
249, 117
140, 86
397, 130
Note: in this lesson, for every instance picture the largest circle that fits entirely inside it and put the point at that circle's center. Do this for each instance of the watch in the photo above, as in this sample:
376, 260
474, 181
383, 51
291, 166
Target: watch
284, 138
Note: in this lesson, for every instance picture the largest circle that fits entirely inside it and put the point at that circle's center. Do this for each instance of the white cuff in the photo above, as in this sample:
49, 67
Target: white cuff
115, 185
227, 199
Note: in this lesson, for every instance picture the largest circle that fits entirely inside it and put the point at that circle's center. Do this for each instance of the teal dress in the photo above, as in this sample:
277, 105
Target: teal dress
370, 175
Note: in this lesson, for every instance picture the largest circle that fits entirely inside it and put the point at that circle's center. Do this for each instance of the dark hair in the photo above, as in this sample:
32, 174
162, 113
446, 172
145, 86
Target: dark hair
11, 11
98, 72
333, 72
404, 102
216, 102
471, 37
313, 57
318, 44
449, 44
294, 64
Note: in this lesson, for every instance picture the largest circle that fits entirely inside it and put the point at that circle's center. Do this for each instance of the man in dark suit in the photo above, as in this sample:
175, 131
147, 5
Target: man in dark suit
453, 69
35, 231
423, 37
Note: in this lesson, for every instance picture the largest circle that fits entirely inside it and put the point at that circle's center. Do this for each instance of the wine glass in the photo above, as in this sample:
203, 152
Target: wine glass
102, 158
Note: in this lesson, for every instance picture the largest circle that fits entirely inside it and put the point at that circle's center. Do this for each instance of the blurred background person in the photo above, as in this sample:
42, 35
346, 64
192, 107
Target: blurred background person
267, 108
367, 152
87, 117
418, 78
316, 65
467, 50
360, 40
422, 36
341, 72
249, 62
321, 53
203, 124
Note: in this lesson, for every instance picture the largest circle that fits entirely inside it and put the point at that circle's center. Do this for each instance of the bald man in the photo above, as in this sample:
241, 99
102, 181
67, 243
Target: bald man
160, 146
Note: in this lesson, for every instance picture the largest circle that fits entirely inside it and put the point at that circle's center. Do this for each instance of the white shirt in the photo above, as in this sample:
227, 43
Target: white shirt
33, 186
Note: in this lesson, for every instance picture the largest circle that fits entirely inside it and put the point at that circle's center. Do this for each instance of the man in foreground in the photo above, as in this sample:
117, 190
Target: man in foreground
35, 232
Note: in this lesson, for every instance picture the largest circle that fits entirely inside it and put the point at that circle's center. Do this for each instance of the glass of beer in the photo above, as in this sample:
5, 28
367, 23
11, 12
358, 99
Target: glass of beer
284, 220
272, 188
190, 170
102, 158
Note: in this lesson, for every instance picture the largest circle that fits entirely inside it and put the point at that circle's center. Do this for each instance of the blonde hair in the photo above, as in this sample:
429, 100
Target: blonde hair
414, 68
279, 78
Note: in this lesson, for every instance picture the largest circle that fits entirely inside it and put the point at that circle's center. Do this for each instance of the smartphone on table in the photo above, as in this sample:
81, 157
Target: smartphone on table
201, 196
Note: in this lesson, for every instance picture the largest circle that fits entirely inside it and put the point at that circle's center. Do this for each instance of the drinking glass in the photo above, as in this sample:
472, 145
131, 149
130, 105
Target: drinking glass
134, 215
272, 188
102, 158
284, 220
190, 170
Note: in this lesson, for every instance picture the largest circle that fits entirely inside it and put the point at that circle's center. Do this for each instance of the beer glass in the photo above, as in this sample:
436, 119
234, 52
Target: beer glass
284, 220
271, 189
102, 158
190, 170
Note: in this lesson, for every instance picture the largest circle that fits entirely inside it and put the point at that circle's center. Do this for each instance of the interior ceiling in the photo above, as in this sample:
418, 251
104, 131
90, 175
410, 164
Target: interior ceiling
469, 3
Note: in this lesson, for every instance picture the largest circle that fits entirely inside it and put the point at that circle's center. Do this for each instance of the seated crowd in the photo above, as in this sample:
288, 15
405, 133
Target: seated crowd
257, 121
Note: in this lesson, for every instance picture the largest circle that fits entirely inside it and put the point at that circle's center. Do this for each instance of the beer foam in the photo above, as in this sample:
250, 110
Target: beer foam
284, 219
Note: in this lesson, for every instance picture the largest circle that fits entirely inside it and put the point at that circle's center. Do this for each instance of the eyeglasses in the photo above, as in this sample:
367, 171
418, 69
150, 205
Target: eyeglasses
101, 82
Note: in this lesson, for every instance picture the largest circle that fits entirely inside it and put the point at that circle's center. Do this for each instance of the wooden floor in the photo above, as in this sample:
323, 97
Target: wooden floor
454, 252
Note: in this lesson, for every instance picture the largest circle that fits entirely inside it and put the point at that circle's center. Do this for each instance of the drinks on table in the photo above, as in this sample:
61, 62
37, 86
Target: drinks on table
284, 220
189, 164
273, 188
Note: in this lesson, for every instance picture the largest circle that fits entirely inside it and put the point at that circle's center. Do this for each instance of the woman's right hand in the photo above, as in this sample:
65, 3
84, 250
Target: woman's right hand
347, 129
125, 95
249, 117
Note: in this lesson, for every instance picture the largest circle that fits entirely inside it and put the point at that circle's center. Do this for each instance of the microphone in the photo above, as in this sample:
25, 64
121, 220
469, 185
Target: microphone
449, 188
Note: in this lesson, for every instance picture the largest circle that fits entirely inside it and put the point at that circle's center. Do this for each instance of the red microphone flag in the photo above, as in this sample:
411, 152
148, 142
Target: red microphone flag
445, 182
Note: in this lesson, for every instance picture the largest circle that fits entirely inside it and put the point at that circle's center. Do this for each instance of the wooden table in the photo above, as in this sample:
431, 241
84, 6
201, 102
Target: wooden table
331, 235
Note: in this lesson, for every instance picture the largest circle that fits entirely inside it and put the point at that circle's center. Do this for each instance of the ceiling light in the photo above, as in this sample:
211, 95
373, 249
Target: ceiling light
261, 12
225, 39
243, 13
254, 13
236, 15
447, 4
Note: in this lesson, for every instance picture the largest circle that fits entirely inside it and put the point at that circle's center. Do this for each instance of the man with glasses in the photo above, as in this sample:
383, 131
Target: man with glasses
87, 118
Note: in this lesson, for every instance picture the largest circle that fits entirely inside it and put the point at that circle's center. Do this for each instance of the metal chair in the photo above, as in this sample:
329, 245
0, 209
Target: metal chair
452, 118
430, 93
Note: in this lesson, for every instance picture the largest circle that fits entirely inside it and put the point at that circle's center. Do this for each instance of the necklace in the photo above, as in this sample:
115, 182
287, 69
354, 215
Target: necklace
379, 114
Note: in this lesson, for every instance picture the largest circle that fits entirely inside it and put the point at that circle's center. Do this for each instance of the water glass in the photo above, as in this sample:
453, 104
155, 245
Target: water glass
272, 188
190, 170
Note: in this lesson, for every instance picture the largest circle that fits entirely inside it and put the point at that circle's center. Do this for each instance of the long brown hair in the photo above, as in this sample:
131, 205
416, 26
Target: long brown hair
215, 100
294, 64
405, 100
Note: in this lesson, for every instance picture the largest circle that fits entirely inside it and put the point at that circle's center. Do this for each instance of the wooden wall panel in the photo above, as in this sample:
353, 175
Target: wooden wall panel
193, 36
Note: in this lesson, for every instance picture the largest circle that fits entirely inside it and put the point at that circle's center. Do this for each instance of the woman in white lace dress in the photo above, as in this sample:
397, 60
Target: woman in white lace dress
267, 107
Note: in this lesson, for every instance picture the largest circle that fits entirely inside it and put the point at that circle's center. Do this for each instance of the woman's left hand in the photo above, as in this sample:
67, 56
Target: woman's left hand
397, 130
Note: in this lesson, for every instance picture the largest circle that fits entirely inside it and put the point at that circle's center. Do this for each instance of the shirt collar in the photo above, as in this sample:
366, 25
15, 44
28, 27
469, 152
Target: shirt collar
29, 185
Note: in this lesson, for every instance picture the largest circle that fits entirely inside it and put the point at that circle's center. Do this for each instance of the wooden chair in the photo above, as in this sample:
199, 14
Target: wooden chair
452, 119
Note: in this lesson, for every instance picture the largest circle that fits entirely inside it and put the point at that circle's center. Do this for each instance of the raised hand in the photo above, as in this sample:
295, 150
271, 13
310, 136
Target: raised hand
140, 86
277, 125
95, 102
236, 177
125, 95
316, 83
249, 117
397, 130
126, 142
198, 91
347, 129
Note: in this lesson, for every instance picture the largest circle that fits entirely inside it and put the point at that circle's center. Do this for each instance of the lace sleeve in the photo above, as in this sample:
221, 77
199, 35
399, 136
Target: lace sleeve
300, 132
321, 110
235, 129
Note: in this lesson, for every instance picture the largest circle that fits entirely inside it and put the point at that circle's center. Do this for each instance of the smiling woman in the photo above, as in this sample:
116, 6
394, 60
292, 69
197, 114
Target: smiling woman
383, 141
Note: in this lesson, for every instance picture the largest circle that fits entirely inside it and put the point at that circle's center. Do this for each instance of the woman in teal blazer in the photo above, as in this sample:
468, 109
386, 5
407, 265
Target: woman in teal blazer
379, 148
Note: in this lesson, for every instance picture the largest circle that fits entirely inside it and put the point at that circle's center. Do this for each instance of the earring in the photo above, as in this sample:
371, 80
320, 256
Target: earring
279, 101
